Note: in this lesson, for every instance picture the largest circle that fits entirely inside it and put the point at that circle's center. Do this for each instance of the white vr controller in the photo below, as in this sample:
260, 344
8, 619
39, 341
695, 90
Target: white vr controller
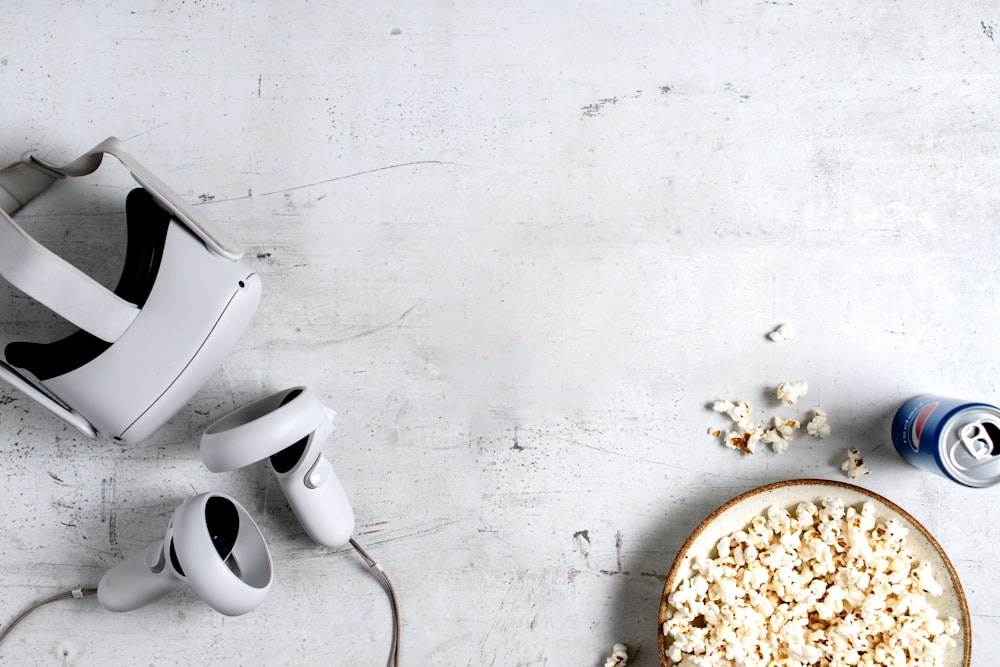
211, 543
288, 427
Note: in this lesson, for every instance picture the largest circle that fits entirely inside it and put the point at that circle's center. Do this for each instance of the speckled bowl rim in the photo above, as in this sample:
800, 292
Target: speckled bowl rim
682, 555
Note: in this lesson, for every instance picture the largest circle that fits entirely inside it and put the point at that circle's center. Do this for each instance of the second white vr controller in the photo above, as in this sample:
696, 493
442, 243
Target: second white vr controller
288, 427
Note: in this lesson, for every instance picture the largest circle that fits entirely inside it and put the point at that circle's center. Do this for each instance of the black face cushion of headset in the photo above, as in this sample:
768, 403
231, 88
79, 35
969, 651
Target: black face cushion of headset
147, 224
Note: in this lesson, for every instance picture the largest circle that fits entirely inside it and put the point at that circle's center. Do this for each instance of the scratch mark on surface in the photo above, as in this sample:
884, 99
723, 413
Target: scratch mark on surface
146, 131
625, 455
619, 540
374, 330
424, 529
517, 445
360, 173
582, 538
731, 88
598, 107
334, 179
55, 477
595, 108
108, 509
513, 599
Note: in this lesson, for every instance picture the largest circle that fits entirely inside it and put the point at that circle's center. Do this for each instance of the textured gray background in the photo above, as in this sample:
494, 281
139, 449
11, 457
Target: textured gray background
518, 248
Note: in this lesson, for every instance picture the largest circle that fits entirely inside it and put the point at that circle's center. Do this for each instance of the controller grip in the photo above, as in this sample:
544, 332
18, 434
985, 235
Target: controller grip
133, 583
320, 502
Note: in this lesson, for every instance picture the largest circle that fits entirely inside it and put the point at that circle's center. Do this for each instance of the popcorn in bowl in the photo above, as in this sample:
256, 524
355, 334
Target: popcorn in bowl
821, 583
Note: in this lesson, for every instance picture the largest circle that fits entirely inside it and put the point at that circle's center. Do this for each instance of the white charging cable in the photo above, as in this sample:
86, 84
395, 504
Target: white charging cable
384, 579
75, 594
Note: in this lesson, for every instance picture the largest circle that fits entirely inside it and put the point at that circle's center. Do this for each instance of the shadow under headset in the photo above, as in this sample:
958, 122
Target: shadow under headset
143, 350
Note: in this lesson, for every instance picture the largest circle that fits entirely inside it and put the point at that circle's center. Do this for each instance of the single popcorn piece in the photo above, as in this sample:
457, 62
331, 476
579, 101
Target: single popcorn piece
773, 438
783, 332
780, 434
854, 465
817, 426
810, 585
736, 411
786, 427
745, 438
790, 392
618, 657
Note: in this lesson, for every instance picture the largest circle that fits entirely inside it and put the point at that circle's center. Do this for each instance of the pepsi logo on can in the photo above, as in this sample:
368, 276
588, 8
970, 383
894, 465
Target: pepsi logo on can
950, 437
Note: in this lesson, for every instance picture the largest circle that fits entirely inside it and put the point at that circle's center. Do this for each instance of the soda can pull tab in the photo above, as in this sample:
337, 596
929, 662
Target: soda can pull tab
977, 440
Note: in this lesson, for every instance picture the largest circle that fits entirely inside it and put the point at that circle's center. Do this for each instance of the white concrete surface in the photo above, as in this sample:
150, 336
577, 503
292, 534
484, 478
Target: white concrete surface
518, 247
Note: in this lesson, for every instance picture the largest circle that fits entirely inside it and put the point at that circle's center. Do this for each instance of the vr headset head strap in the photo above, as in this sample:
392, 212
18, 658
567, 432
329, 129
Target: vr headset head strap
52, 281
41, 274
216, 240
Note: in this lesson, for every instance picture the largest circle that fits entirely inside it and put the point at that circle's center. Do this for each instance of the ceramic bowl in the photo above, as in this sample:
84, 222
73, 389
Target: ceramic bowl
737, 513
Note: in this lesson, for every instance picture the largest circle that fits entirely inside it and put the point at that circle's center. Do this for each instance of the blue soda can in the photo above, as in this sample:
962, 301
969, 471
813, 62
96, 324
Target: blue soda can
957, 439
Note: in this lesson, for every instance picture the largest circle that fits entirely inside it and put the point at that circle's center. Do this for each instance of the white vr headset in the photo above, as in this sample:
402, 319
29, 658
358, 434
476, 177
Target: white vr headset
143, 350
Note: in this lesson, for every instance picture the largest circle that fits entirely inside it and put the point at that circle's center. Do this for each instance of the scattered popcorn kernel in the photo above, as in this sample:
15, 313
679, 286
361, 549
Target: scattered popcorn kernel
854, 465
783, 332
786, 427
790, 392
776, 439
817, 426
618, 657
745, 441
736, 411
723, 406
